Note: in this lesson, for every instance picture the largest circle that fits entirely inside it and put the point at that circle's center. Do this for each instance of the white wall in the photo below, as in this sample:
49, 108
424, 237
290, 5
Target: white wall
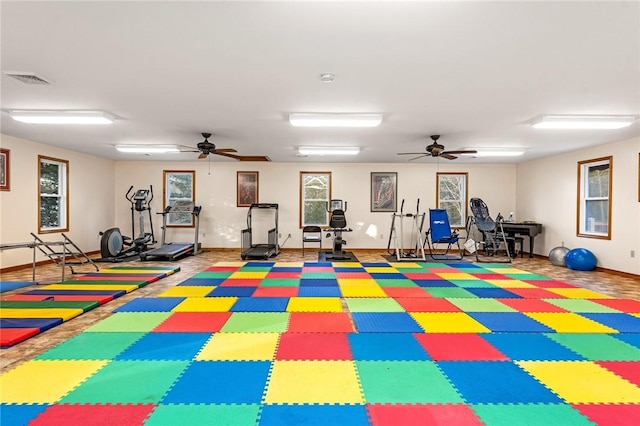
221, 221
547, 192
91, 198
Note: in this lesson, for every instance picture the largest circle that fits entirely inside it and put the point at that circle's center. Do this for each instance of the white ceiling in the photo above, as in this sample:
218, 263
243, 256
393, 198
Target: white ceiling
474, 72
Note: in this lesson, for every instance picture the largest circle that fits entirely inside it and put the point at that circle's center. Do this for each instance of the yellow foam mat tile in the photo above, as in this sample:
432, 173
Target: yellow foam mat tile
357, 282
240, 347
578, 293
448, 322
126, 287
55, 379
313, 382
289, 264
508, 271
511, 284
569, 322
347, 264
136, 271
362, 291
248, 275
405, 265
456, 276
582, 382
205, 304
314, 304
187, 291
379, 269
65, 314
636, 315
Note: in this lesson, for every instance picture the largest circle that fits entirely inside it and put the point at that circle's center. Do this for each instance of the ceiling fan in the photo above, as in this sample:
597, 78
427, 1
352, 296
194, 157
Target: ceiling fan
437, 150
205, 148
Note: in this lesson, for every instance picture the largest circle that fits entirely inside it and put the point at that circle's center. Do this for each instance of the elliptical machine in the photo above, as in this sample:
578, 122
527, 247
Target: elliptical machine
114, 247
338, 225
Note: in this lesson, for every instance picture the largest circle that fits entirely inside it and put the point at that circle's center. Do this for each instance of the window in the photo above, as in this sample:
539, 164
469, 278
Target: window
594, 198
451, 195
179, 185
53, 202
315, 193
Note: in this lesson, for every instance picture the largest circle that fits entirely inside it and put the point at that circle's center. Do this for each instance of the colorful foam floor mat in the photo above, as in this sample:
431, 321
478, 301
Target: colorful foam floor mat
269, 343
27, 314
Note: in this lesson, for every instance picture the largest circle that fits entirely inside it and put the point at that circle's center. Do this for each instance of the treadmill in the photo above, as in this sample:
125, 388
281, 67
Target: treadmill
260, 251
174, 251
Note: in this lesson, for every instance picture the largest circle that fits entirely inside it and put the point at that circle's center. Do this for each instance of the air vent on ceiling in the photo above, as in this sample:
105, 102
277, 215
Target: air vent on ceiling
27, 77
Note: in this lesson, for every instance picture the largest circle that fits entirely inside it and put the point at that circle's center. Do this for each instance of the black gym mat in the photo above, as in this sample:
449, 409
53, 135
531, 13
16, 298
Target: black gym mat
322, 257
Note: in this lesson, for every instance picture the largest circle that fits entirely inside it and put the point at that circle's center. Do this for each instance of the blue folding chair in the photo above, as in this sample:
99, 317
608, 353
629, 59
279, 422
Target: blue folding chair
440, 233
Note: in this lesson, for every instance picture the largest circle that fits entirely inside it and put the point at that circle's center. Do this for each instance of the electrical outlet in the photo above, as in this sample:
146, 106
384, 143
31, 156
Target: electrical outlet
289, 236
633, 253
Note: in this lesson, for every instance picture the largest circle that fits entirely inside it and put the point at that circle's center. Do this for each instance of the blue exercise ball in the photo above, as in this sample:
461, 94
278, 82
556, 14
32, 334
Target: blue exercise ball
557, 256
580, 259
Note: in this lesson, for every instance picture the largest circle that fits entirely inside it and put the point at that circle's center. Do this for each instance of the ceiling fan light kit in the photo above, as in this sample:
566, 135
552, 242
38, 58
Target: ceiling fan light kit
438, 150
328, 150
583, 122
334, 120
62, 117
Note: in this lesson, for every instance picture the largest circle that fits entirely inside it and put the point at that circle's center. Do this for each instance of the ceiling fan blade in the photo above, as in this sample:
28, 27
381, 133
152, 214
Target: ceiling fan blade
419, 156
202, 155
219, 150
411, 153
461, 152
244, 157
448, 156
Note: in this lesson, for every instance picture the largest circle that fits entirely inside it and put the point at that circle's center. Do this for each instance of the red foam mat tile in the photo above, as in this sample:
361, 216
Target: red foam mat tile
531, 305
459, 347
94, 415
240, 282
611, 415
406, 292
423, 304
320, 322
550, 284
275, 292
628, 370
194, 322
314, 346
428, 415
625, 305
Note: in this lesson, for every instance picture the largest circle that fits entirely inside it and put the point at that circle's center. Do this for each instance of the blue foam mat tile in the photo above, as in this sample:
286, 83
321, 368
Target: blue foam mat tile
220, 382
151, 304
239, 291
630, 338
342, 269
624, 323
388, 276
319, 292
251, 264
434, 283
515, 322
314, 415
374, 264
203, 281
286, 269
166, 346
385, 322
318, 282
495, 382
386, 347
41, 323
495, 293
260, 304
530, 347
19, 415
317, 265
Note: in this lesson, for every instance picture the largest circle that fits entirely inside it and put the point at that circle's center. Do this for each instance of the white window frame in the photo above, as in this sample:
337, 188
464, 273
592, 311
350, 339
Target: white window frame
463, 201
62, 195
178, 219
303, 199
588, 227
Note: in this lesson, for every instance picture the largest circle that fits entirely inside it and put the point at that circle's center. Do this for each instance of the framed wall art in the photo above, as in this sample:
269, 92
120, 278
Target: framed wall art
247, 189
5, 170
384, 191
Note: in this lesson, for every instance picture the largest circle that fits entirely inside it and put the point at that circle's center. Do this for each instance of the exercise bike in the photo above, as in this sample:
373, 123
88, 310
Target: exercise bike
114, 247
338, 225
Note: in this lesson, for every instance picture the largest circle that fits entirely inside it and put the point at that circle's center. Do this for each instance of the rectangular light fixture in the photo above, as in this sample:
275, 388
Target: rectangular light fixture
497, 152
328, 150
334, 120
582, 121
148, 149
62, 117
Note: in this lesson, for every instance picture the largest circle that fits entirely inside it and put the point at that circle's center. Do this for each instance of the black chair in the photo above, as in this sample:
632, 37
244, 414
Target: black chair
311, 234
492, 233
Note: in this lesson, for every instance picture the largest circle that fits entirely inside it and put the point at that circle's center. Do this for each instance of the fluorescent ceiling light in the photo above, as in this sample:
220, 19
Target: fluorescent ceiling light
62, 117
328, 150
582, 121
496, 152
148, 149
334, 120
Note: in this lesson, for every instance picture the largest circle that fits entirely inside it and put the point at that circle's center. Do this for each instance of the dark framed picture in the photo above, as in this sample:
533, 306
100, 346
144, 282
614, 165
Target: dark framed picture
247, 189
384, 191
5, 175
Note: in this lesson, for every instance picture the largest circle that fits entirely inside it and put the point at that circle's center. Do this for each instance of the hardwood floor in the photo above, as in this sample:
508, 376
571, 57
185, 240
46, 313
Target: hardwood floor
616, 285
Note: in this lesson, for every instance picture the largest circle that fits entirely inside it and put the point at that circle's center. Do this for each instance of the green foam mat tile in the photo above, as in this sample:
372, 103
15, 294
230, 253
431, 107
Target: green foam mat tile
280, 282
405, 382
526, 276
256, 322
130, 321
449, 292
395, 282
473, 283
373, 304
92, 346
597, 347
582, 305
128, 382
530, 415
480, 305
206, 274
318, 275
192, 414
